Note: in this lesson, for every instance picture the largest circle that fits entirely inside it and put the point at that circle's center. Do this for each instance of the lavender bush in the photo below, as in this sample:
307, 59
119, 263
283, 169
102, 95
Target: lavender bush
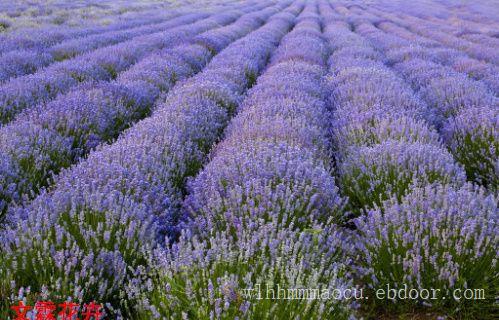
233, 273
370, 175
473, 137
437, 237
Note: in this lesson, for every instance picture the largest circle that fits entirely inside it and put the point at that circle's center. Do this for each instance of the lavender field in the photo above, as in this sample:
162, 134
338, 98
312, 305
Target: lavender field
249, 159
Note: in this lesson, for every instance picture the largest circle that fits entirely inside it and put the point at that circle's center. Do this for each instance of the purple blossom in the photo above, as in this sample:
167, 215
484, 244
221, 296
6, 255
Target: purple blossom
473, 137
266, 255
273, 162
369, 175
97, 113
446, 232
131, 187
102, 64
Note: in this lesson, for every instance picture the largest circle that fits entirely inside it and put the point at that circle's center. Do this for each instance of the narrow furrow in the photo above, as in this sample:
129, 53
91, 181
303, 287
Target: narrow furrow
45, 139
101, 64
464, 111
262, 207
104, 216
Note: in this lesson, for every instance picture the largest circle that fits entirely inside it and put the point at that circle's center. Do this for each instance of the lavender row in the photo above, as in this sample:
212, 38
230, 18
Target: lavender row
39, 38
477, 37
21, 62
276, 147
478, 51
383, 145
463, 110
102, 64
470, 30
49, 137
477, 31
435, 51
460, 62
268, 179
111, 207
425, 227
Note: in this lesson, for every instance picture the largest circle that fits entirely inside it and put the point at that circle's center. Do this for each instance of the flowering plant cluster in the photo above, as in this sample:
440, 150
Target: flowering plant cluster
171, 162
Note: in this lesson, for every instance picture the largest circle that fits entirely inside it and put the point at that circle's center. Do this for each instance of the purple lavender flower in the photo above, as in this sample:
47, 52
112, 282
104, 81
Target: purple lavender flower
359, 129
438, 237
101, 64
370, 175
30, 153
245, 269
450, 95
107, 213
273, 162
21, 62
473, 138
